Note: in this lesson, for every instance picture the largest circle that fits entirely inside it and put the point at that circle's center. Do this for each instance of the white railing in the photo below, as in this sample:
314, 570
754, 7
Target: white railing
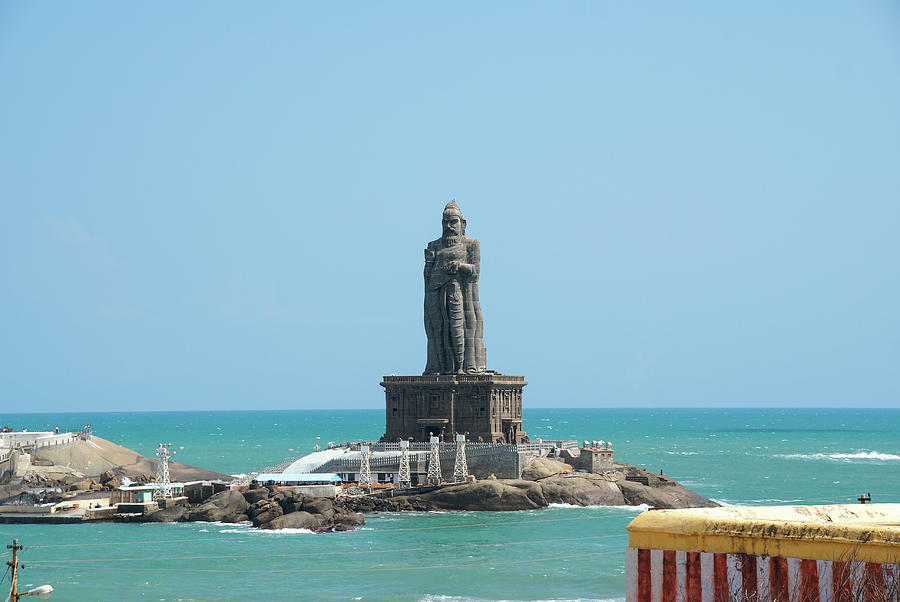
418, 448
36, 440
54, 440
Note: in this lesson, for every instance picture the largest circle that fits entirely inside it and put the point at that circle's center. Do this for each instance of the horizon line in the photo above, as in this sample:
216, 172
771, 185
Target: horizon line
524, 409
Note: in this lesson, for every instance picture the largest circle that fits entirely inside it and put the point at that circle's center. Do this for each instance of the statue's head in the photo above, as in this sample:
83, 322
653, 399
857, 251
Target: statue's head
453, 222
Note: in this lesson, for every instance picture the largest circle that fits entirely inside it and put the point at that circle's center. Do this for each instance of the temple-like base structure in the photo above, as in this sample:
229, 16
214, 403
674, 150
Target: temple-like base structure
485, 407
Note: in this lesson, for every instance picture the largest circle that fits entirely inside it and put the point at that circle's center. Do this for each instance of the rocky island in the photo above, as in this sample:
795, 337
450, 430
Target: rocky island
545, 482
454, 440
90, 470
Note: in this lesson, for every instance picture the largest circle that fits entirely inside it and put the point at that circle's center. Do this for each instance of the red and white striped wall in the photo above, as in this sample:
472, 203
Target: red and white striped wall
679, 576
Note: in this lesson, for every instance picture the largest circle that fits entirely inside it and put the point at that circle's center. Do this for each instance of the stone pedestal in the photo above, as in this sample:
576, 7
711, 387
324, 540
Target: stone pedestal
487, 407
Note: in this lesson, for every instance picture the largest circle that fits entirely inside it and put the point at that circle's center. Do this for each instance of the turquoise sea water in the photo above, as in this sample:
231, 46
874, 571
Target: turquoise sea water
733, 456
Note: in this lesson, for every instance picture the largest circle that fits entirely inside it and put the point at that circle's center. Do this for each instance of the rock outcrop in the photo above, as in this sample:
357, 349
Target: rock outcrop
540, 468
295, 520
546, 481
168, 515
265, 508
226, 506
581, 489
487, 495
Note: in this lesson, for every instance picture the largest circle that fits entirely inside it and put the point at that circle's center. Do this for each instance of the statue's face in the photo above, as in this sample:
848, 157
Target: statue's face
452, 223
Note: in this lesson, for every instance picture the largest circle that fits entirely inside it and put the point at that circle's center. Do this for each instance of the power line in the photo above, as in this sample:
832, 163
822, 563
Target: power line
404, 529
480, 563
319, 554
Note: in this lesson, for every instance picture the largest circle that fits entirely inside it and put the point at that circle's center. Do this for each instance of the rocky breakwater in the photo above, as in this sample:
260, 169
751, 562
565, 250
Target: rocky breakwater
265, 508
544, 482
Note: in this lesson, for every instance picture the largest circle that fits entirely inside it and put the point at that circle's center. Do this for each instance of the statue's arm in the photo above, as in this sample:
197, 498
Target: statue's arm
473, 261
429, 263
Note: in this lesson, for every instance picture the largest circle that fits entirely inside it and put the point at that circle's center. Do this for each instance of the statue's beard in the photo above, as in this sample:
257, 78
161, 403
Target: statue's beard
450, 239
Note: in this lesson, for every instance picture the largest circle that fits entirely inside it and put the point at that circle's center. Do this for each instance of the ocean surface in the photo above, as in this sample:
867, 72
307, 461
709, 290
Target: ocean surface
559, 553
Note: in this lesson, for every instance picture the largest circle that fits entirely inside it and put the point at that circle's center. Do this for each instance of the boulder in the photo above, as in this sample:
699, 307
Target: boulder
229, 499
168, 515
145, 478
675, 496
260, 506
351, 519
289, 504
106, 476
266, 514
487, 495
83, 485
541, 468
294, 520
225, 506
254, 495
319, 505
581, 490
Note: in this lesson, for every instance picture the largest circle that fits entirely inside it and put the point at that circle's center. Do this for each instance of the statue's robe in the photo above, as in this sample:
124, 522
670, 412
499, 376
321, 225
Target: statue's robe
453, 320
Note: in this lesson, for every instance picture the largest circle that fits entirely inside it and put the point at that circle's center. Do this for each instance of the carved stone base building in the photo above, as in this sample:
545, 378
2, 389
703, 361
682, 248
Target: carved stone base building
486, 406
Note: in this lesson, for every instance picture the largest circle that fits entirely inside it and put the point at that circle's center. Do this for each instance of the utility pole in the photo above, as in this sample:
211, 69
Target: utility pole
43, 591
14, 565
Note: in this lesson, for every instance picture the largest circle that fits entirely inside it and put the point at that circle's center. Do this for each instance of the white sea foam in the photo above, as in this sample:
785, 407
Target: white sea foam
265, 532
871, 455
638, 508
775, 500
681, 453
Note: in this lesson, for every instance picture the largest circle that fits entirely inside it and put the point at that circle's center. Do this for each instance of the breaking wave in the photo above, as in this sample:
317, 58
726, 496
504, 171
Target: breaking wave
871, 455
638, 508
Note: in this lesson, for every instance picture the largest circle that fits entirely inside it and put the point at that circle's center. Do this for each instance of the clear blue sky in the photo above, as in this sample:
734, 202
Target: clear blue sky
214, 205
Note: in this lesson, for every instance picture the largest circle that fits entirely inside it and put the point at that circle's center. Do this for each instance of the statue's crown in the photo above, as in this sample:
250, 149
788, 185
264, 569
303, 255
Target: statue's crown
452, 206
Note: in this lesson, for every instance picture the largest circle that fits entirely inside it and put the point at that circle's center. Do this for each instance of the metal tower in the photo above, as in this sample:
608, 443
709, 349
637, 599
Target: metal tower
403, 478
163, 484
460, 469
365, 471
434, 463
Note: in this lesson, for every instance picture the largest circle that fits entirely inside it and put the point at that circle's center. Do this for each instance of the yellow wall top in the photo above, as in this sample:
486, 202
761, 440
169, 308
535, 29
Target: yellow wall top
863, 532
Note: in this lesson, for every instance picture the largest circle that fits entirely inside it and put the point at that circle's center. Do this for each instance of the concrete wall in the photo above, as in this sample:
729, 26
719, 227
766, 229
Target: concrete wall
28, 509
834, 552
5, 465
36, 439
329, 491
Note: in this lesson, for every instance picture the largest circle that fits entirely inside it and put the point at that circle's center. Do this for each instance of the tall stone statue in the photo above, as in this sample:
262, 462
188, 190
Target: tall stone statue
453, 320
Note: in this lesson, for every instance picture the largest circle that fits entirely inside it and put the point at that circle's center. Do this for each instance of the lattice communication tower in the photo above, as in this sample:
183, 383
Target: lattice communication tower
404, 477
434, 463
460, 468
163, 484
365, 470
